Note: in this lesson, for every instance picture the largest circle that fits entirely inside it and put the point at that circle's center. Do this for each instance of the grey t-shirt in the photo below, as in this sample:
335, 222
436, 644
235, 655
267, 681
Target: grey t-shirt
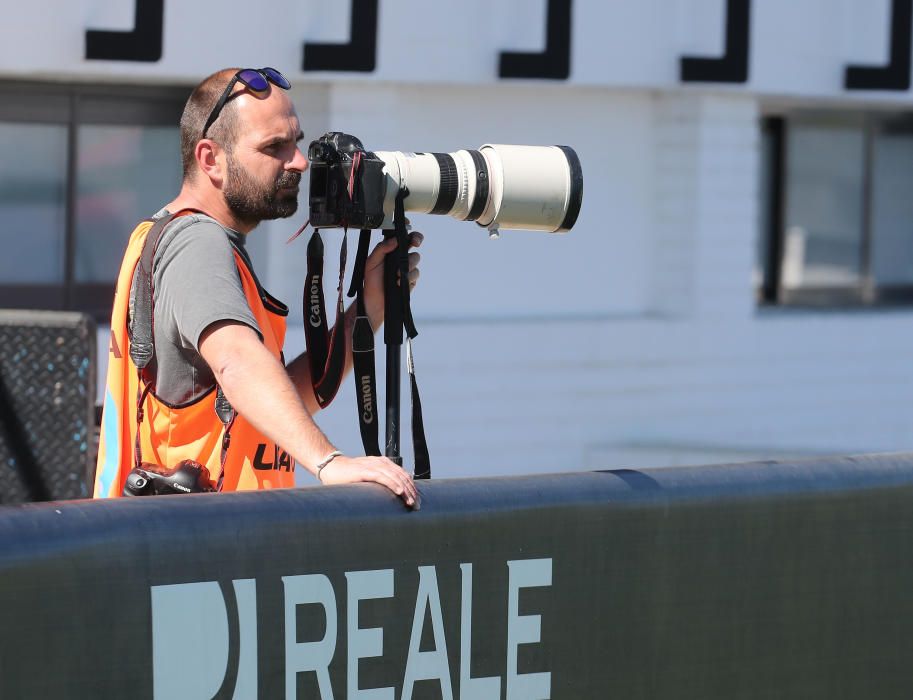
196, 283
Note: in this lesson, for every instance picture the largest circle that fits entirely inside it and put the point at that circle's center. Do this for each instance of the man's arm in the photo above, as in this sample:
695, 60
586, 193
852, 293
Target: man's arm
258, 387
299, 369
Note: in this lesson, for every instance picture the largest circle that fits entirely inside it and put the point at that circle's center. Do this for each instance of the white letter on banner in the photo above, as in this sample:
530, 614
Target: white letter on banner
308, 656
189, 621
246, 597
364, 643
525, 629
427, 665
472, 688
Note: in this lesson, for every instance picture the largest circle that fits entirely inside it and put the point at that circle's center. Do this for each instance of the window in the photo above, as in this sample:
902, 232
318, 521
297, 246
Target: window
33, 202
837, 210
79, 167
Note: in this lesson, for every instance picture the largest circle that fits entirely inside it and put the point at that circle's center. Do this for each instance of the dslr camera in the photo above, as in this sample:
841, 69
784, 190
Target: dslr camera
151, 480
497, 186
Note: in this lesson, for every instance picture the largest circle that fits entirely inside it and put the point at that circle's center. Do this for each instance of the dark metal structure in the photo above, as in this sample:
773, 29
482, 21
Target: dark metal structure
47, 405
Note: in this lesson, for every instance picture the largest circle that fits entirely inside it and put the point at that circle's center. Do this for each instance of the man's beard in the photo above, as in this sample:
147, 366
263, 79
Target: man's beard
252, 202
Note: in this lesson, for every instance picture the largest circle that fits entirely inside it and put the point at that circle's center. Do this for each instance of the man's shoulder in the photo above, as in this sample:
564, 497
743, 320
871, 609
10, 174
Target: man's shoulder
195, 232
194, 239
198, 221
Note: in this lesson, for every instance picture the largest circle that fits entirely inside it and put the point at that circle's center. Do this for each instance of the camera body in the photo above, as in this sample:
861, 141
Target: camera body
332, 159
151, 480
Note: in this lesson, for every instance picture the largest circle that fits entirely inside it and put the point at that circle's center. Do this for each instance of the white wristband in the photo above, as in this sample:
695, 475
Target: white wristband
321, 465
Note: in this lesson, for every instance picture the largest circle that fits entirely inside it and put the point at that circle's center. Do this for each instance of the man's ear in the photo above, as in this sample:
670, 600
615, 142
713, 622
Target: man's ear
210, 159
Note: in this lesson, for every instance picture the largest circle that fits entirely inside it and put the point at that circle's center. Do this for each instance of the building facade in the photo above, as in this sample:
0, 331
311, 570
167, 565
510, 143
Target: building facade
739, 283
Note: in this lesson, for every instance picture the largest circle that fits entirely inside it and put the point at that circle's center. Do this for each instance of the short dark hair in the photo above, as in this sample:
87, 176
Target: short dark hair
223, 130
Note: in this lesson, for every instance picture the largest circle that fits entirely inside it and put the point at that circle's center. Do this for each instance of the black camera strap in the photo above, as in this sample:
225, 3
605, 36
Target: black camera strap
363, 354
398, 317
326, 349
142, 342
142, 331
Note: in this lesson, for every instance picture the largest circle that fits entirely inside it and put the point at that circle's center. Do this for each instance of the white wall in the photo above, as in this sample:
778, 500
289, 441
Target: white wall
797, 48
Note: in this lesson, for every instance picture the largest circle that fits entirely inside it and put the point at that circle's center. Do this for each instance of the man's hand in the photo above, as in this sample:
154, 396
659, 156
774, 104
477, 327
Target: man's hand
299, 369
379, 470
374, 275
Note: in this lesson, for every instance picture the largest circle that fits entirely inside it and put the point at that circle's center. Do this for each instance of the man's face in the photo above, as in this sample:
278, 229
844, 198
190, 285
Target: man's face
254, 199
264, 167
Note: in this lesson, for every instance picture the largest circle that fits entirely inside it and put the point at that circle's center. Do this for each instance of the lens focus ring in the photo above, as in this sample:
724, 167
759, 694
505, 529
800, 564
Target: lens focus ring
447, 193
481, 194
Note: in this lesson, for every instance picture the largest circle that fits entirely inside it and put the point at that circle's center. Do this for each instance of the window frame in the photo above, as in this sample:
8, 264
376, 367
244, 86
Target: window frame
866, 293
72, 106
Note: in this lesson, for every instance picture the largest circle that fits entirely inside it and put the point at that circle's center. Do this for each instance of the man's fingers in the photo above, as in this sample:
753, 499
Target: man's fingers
381, 249
414, 272
379, 470
405, 481
398, 482
388, 245
387, 479
386, 472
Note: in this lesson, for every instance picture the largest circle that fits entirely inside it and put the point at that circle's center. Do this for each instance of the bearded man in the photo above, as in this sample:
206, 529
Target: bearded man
216, 333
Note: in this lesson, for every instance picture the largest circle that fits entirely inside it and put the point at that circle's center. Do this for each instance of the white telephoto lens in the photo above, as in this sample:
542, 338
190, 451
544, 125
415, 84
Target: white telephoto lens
537, 188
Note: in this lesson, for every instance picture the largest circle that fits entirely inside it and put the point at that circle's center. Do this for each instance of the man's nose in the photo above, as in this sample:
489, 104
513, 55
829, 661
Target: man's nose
298, 162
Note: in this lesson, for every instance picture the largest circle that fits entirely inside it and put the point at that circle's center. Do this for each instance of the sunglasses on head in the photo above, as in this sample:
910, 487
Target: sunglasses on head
255, 79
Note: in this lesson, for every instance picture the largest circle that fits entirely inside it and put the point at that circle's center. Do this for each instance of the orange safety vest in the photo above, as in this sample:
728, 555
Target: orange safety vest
170, 434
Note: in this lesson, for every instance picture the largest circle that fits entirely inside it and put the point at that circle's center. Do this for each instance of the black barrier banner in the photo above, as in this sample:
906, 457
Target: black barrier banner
754, 581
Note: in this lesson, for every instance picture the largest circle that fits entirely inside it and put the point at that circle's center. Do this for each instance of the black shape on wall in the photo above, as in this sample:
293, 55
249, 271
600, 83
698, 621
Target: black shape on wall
142, 44
555, 62
47, 405
895, 75
13, 433
732, 66
359, 55
230, 681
